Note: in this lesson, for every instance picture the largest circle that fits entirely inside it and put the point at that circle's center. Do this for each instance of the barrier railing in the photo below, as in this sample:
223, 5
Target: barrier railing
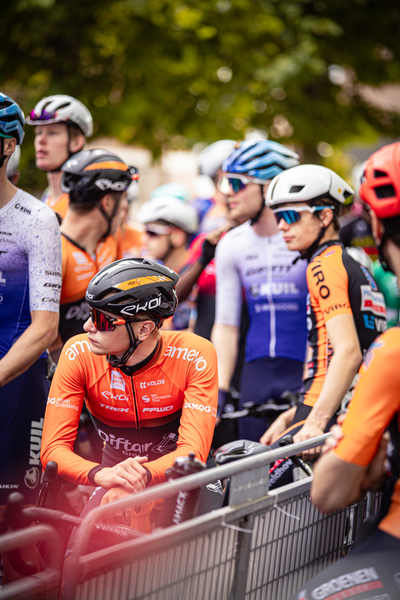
44, 585
263, 545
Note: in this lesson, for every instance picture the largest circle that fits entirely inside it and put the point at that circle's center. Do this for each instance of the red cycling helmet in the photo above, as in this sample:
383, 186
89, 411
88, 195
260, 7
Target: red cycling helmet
380, 187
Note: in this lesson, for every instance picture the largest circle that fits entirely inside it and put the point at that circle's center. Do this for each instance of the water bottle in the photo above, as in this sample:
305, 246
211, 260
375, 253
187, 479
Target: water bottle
181, 507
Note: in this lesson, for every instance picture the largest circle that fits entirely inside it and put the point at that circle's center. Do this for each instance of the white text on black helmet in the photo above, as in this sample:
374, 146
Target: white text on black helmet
115, 186
135, 308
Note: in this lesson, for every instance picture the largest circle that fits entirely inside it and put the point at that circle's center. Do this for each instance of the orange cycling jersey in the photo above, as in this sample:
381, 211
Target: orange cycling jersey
163, 410
129, 241
78, 268
374, 408
60, 205
338, 285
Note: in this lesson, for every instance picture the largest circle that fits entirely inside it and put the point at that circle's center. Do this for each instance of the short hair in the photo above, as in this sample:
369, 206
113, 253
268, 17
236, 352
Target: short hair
337, 210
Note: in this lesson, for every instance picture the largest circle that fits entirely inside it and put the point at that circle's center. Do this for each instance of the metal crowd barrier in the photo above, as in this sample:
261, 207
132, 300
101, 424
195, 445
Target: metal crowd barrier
263, 546
41, 586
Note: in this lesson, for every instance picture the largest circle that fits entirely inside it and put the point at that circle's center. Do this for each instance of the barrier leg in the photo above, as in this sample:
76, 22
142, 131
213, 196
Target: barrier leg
242, 559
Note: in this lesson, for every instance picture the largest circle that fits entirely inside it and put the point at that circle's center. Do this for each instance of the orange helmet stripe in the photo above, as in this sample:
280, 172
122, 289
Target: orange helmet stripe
118, 166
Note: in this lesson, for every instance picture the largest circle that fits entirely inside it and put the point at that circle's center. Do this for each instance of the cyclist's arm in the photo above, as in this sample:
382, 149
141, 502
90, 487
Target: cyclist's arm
344, 364
357, 462
278, 427
225, 333
199, 411
30, 345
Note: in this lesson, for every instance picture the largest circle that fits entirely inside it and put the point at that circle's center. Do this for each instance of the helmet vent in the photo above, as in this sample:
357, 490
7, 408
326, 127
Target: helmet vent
346, 194
295, 189
385, 191
378, 173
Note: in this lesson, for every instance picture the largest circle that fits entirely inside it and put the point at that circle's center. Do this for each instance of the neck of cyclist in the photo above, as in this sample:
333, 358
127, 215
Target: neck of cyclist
175, 258
86, 230
266, 225
147, 345
54, 181
7, 189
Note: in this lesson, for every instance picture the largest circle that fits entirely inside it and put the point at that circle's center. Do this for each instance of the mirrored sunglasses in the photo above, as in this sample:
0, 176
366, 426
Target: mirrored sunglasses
154, 230
236, 183
292, 214
103, 322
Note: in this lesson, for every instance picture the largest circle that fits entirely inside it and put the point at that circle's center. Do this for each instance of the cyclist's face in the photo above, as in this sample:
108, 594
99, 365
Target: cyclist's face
244, 204
301, 234
51, 145
157, 241
108, 342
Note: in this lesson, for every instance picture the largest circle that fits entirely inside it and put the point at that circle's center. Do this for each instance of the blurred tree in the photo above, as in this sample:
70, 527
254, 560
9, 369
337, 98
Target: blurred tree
171, 73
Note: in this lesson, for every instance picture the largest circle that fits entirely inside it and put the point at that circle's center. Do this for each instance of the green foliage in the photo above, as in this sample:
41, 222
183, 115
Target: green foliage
171, 73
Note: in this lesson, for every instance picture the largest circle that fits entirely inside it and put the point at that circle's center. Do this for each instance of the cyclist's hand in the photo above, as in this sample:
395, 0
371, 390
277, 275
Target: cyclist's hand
336, 435
122, 516
128, 474
308, 431
277, 428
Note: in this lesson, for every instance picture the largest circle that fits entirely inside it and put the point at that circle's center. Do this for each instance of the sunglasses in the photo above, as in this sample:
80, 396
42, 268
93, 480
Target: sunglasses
229, 182
103, 322
292, 214
155, 230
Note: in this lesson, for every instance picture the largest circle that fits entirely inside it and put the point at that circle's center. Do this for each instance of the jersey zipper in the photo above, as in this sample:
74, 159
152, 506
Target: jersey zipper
137, 416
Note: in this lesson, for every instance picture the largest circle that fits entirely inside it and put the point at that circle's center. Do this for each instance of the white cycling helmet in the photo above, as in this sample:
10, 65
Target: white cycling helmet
307, 182
13, 162
62, 109
211, 159
171, 211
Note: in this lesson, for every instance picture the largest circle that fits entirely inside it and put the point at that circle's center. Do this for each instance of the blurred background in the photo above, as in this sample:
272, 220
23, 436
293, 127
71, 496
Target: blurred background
164, 78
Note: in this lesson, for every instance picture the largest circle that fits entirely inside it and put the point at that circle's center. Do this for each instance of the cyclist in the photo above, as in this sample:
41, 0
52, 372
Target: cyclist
346, 311
254, 256
62, 124
213, 211
355, 458
30, 284
152, 395
96, 182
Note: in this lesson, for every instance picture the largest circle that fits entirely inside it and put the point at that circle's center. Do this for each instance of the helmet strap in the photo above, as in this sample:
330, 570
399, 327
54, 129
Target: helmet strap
3, 156
108, 217
133, 344
258, 215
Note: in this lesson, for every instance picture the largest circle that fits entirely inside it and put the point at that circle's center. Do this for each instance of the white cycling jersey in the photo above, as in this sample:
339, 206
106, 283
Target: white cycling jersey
30, 265
275, 291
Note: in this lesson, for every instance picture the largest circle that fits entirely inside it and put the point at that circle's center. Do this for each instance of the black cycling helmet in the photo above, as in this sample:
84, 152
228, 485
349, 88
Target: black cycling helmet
91, 174
132, 287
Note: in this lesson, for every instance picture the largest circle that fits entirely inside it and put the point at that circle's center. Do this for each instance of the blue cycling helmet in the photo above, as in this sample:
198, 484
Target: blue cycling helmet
261, 160
12, 119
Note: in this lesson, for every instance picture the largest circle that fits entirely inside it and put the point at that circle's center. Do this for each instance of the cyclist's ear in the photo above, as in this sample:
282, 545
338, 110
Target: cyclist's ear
377, 228
146, 328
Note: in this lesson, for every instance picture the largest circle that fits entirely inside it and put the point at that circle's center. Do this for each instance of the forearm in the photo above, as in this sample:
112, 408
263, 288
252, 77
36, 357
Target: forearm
341, 371
188, 279
225, 339
29, 346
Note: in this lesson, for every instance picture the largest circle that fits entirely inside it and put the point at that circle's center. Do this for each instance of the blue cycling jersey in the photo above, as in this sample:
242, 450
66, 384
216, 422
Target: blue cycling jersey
275, 291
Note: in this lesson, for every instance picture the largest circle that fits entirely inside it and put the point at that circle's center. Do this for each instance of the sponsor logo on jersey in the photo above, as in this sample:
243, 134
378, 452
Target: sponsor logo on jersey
35, 442
55, 286
274, 288
53, 273
3, 280
277, 306
158, 409
73, 351
201, 408
25, 210
146, 384
372, 301
32, 477
80, 312
119, 397
115, 408
189, 355
338, 306
53, 300
1, 298
4, 233
148, 305
123, 444
318, 275
167, 444
270, 269
368, 578
80, 258
369, 278
117, 381
62, 403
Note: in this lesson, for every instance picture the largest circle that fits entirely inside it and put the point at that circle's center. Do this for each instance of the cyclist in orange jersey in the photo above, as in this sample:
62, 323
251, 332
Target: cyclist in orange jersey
357, 457
96, 182
345, 310
152, 395
62, 124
